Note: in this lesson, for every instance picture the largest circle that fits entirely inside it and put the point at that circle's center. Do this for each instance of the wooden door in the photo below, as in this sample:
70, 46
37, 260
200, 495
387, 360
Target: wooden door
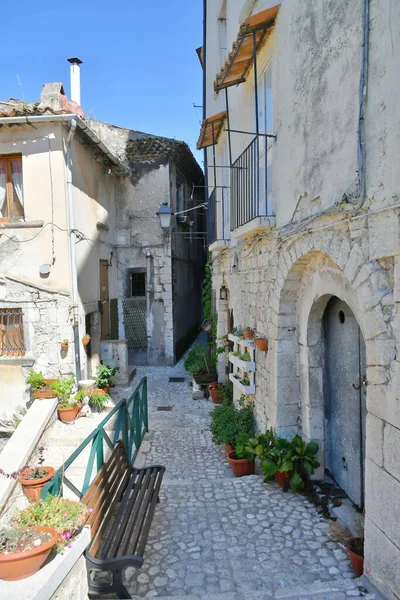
105, 301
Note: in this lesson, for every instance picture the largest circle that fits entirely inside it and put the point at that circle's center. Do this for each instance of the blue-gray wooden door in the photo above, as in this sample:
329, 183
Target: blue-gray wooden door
345, 399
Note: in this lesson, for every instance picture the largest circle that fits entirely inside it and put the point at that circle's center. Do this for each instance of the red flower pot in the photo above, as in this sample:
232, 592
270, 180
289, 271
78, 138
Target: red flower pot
18, 565
215, 392
357, 561
32, 488
282, 478
262, 344
67, 415
241, 466
228, 449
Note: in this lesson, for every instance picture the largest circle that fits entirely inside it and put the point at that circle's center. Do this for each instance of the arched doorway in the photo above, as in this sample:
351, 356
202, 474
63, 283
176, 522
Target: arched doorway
344, 399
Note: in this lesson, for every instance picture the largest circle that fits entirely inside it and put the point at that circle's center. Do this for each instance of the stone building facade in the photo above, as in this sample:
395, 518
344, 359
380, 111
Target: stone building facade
305, 233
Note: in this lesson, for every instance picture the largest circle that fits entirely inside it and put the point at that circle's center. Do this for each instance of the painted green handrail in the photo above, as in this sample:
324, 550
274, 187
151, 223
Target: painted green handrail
132, 423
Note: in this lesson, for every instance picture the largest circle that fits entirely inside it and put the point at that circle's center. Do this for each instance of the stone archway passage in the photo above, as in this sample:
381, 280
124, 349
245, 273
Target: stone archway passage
345, 403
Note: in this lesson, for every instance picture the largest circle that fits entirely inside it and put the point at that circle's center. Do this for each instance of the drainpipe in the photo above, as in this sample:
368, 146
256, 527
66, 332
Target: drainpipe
72, 252
205, 97
149, 299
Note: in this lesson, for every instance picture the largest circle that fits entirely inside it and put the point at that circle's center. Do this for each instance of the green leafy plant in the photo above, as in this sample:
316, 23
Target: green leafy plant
301, 459
274, 450
229, 422
104, 375
98, 400
36, 379
246, 447
246, 357
200, 361
61, 514
227, 393
245, 382
63, 389
235, 353
79, 396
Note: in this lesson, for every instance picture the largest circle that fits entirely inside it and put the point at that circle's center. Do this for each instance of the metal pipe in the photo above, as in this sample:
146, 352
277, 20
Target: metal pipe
229, 126
205, 85
257, 117
267, 135
72, 250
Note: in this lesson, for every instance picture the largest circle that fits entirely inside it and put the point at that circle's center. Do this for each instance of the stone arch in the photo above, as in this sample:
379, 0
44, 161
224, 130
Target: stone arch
308, 278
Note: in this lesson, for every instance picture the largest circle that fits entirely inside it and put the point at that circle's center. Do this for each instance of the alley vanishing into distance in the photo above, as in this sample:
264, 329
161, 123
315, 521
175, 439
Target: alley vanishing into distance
215, 537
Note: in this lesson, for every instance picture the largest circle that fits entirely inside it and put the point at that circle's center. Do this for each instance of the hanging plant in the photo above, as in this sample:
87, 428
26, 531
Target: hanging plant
207, 289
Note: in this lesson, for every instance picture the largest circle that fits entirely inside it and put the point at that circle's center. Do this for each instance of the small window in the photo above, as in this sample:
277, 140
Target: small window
138, 284
11, 188
11, 332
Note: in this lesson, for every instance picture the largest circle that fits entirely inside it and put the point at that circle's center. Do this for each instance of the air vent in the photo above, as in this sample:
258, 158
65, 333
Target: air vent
177, 379
165, 408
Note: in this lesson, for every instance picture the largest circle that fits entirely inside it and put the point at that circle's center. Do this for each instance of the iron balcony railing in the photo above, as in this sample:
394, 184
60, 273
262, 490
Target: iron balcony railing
249, 185
11, 332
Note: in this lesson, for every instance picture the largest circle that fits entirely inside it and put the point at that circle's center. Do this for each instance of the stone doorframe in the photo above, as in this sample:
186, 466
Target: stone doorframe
311, 279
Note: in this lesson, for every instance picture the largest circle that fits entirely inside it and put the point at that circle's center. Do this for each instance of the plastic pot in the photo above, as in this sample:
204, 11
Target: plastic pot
206, 378
241, 466
19, 565
357, 560
32, 488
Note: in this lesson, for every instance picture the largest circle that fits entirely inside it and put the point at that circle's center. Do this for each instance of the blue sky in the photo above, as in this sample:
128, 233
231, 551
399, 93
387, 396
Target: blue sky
140, 69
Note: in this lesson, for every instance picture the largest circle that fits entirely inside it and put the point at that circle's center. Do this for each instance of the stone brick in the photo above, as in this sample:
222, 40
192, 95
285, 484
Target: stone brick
380, 557
355, 260
391, 450
380, 352
377, 375
383, 501
374, 439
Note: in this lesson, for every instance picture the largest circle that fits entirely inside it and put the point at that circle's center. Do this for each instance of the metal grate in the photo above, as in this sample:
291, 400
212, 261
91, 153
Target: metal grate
135, 322
165, 408
11, 332
177, 379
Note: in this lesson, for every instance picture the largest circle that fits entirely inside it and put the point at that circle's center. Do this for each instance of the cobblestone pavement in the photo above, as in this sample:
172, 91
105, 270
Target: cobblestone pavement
219, 538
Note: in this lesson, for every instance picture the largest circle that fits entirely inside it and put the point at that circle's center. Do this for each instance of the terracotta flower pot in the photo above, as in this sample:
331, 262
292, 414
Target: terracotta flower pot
248, 334
67, 415
215, 392
229, 449
282, 478
241, 466
46, 392
357, 561
32, 488
86, 340
262, 344
19, 565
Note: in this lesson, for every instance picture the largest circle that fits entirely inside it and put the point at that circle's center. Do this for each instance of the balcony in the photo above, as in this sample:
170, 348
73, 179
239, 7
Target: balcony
251, 210
217, 219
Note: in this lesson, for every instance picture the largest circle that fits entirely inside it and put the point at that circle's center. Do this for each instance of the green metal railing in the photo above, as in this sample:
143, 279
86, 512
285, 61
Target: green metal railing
131, 425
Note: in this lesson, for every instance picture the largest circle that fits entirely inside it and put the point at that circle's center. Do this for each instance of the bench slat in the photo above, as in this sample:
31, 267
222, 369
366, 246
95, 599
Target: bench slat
150, 513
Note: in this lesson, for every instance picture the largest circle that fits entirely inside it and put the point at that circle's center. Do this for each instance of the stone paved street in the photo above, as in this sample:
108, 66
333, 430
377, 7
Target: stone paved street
220, 538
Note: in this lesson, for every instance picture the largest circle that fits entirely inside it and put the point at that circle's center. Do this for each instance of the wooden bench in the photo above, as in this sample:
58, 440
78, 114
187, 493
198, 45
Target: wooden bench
123, 500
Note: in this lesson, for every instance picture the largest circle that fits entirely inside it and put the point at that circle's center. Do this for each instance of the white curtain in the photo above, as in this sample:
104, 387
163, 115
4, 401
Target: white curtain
2, 187
16, 170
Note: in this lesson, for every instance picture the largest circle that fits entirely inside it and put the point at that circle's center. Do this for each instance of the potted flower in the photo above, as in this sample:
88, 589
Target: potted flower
64, 345
248, 333
68, 409
104, 376
23, 552
33, 480
86, 339
242, 458
40, 386
353, 542
66, 517
98, 399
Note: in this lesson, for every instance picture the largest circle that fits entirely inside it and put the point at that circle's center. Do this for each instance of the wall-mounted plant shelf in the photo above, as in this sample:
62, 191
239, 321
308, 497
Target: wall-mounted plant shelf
242, 369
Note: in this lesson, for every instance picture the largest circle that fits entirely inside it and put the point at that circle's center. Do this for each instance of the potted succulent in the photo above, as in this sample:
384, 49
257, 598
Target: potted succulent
33, 480
86, 339
68, 409
66, 517
354, 543
104, 376
23, 552
248, 333
40, 386
242, 459
262, 344
64, 345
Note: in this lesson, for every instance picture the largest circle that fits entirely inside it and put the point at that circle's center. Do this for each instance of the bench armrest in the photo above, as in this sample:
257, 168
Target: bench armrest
110, 564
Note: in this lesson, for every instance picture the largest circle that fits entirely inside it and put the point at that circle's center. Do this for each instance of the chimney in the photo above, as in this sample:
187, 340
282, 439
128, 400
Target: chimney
75, 77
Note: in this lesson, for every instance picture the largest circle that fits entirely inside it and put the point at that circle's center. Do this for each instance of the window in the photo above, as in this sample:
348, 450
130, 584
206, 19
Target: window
11, 332
11, 188
265, 123
138, 284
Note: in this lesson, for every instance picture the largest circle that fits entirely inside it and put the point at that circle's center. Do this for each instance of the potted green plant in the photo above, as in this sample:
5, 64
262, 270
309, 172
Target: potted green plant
245, 357
245, 382
353, 542
33, 479
104, 377
64, 345
216, 392
98, 399
248, 333
229, 422
68, 408
201, 364
23, 552
295, 461
242, 459
40, 386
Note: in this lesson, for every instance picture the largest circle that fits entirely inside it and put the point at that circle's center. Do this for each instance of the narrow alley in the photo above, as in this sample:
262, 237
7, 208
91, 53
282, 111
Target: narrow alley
215, 537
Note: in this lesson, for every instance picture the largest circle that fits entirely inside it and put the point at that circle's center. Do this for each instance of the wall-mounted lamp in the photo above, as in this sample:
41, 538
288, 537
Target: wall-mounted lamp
223, 293
165, 214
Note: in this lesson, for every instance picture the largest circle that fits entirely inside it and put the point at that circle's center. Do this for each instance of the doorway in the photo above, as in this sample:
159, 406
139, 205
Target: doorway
345, 399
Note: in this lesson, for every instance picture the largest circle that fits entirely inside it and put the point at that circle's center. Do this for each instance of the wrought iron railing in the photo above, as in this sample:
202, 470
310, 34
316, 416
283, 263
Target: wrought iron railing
11, 332
128, 421
249, 184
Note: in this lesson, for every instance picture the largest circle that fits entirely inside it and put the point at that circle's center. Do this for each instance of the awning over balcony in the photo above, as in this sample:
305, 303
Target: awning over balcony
240, 59
210, 130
